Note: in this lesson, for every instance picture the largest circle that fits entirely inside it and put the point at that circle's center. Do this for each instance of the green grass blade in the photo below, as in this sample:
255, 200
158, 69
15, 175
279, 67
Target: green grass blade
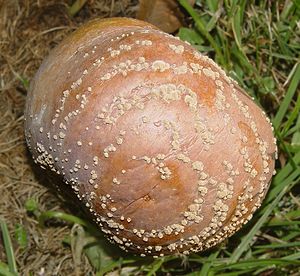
4, 270
243, 246
60, 215
113, 265
280, 245
288, 6
288, 98
284, 172
202, 29
236, 26
288, 182
290, 217
296, 132
283, 223
292, 234
212, 5
156, 266
213, 21
21, 235
256, 263
76, 7
293, 116
236, 273
8, 248
190, 35
295, 256
207, 265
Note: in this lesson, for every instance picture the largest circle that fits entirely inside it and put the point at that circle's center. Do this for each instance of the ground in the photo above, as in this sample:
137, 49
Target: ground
29, 30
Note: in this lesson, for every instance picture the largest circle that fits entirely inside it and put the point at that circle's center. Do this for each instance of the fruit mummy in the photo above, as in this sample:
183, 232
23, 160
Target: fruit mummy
165, 151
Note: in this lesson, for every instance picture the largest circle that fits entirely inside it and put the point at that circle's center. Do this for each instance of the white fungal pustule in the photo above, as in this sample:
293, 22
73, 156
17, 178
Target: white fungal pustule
164, 150
160, 65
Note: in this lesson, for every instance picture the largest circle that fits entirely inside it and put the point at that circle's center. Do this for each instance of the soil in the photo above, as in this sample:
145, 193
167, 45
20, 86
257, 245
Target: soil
29, 29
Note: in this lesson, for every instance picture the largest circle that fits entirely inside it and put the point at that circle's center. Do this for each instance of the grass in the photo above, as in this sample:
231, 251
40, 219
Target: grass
258, 44
10, 268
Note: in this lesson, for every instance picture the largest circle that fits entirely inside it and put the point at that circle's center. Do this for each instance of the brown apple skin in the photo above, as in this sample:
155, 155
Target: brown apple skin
165, 151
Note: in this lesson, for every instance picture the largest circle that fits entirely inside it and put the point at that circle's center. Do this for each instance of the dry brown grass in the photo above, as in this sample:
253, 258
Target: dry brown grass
28, 30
